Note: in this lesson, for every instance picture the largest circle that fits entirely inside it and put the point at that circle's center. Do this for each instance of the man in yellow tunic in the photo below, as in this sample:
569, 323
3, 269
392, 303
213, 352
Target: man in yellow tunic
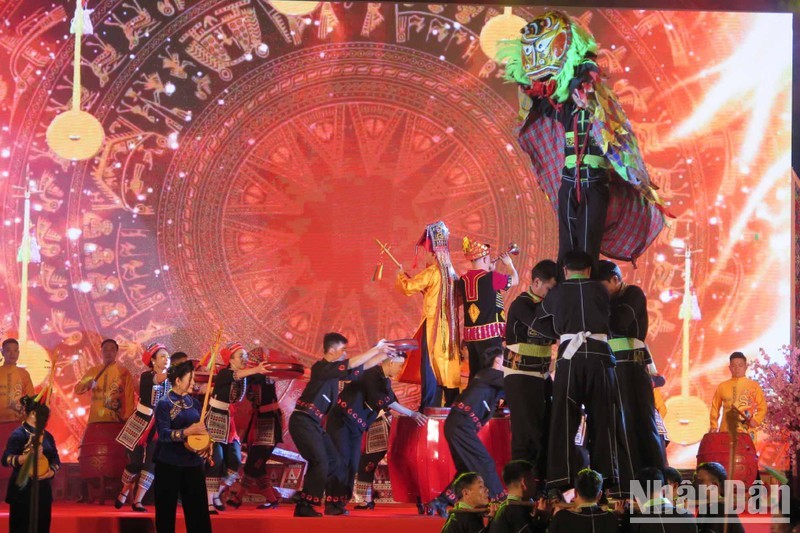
742, 394
112, 388
437, 364
15, 383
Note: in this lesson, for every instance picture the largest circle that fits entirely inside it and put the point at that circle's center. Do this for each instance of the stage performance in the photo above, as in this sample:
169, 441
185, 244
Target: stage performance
275, 265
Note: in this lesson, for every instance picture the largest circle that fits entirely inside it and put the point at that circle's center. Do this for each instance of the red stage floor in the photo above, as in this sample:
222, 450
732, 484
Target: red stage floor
394, 518
390, 518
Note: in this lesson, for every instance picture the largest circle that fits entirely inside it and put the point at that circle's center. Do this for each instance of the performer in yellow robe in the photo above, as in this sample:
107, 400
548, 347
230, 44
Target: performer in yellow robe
437, 360
740, 393
112, 388
15, 383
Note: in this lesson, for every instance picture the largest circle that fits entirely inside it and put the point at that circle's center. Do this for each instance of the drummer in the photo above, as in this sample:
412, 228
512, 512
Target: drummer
471, 410
741, 394
358, 406
305, 423
230, 385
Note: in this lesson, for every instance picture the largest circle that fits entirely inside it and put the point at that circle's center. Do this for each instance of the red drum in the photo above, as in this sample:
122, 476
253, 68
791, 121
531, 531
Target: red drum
100, 453
715, 447
420, 465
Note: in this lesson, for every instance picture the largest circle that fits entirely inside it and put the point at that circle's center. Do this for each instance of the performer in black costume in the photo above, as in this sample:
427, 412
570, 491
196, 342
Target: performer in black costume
588, 516
305, 423
526, 366
376, 445
635, 368
481, 287
138, 434
358, 406
517, 514
17, 452
473, 497
470, 411
230, 385
577, 313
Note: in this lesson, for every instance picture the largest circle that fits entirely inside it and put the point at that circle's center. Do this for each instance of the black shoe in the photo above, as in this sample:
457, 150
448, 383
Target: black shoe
218, 505
268, 505
139, 508
212, 510
234, 502
335, 510
303, 509
366, 506
118, 503
438, 506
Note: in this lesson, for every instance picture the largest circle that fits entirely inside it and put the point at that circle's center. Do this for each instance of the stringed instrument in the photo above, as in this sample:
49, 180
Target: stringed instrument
32, 356
687, 415
76, 134
200, 443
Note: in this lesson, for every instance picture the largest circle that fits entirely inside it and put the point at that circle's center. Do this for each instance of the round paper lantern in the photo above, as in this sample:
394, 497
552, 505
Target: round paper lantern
501, 27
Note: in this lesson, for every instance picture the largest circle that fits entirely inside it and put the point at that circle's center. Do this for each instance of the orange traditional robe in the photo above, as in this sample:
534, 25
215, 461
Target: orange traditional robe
445, 358
744, 394
15, 383
113, 397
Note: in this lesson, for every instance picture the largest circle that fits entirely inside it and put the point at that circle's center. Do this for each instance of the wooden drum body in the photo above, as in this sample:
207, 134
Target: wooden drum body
715, 447
420, 464
100, 453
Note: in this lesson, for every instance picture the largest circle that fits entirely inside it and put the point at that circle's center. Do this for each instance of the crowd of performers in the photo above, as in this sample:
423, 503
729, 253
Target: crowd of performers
586, 159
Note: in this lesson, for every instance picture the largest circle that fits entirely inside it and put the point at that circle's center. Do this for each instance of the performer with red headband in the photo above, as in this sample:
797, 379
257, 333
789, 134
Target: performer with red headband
138, 434
484, 316
438, 356
263, 434
230, 385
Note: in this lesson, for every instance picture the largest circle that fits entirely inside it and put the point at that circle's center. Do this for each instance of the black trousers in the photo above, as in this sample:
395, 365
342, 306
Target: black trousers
587, 379
529, 401
19, 509
227, 457
368, 464
638, 405
256, 464
141, 458
476, 349
188, 483
316, 447
469, 454
581, 224
347, 439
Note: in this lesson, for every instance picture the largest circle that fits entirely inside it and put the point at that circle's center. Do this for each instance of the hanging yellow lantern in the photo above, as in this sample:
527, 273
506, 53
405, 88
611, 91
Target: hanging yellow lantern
501, 27
290, 7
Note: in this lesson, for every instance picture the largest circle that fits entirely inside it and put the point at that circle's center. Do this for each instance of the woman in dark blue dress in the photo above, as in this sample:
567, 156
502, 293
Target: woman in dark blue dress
16, 453
179, 471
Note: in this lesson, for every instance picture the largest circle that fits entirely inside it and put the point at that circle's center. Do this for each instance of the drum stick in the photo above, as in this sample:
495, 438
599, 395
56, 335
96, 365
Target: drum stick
387, 252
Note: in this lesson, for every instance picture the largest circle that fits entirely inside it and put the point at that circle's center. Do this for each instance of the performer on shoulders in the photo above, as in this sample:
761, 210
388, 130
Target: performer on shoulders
471, 410
305, 423
358, 406
577, 312
111, 385
15, 382
437, 359
742, 394
484, 316
179, 471
635, 368
138, 434
230, 385
526, 366
17, 452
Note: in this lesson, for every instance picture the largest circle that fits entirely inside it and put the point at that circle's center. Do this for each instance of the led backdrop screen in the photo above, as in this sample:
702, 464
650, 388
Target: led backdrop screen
255, 150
